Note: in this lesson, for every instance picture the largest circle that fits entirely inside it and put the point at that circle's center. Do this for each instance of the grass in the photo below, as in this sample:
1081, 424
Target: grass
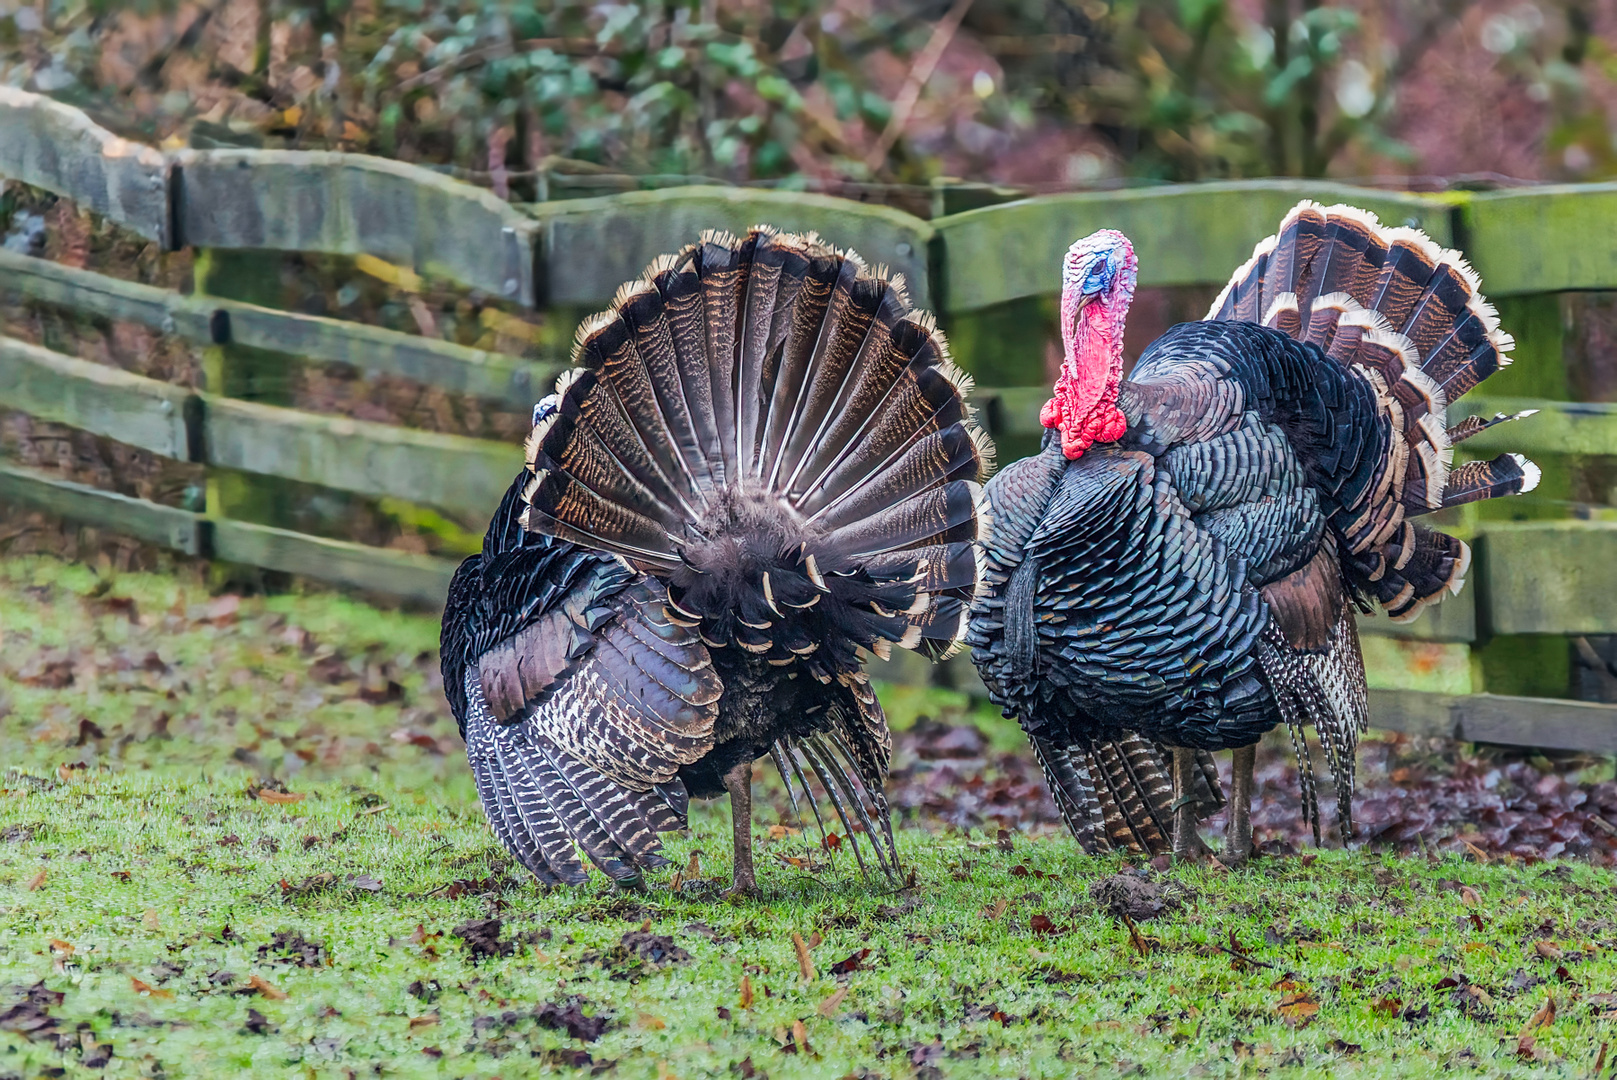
119, 879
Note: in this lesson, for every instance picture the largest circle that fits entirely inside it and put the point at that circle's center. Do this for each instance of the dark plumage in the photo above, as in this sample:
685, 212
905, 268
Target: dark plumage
1194, 581
762, 470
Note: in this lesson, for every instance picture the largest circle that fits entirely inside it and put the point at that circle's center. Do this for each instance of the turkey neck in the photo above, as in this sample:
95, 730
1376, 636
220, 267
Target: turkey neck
1091, 369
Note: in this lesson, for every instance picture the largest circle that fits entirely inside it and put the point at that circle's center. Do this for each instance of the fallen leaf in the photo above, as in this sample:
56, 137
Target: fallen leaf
832, 841
800, 1037
828, 1007
1469, 897
363, 813
1387, 1006
1298, 1010
149, 920
428, 1020
60, 946
805, 963
1548, 950
1476, 921
1543, 1018
280, 797
150, 991
649, 1023
854, 962
693, 869
992, 913
746, 991
121, 875
268, 989
36, 881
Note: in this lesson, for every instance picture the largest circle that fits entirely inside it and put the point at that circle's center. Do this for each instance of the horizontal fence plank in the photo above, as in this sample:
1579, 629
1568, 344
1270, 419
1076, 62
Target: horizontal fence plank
1542, 239
96, 398
58, 148
209, 320
1549, 577
421, 578
1186, 234
1561, 427
592, 246
1545, 723
355, 204
1453, 620
165, 526
452, 472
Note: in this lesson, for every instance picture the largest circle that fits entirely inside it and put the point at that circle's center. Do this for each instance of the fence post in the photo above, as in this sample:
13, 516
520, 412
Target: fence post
1529, 665
237, 371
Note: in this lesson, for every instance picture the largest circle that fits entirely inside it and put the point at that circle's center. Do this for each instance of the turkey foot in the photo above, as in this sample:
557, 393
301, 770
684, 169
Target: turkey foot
738, 782
1238, 829
1187, 843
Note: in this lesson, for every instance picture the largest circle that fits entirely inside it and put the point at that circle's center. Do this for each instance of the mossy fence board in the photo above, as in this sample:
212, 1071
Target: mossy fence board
1544, 577
209, 320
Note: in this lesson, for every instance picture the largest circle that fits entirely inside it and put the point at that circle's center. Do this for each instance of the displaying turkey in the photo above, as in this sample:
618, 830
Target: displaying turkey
1183, 559
762, 470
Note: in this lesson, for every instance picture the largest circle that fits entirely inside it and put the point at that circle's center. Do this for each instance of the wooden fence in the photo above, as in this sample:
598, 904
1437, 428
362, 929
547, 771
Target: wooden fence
1538, 577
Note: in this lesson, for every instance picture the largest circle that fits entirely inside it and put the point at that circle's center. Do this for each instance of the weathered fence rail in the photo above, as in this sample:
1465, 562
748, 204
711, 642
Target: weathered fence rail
1552, 577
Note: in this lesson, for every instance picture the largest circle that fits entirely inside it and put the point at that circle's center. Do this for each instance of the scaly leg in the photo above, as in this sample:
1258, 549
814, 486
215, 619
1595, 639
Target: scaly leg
738, 782
1187, 843
1238, 829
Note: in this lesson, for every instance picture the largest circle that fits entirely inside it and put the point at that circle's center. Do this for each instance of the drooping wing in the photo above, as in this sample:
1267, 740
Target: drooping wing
578, 724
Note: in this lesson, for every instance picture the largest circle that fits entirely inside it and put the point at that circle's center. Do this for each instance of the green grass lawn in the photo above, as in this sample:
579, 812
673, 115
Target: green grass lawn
164, 913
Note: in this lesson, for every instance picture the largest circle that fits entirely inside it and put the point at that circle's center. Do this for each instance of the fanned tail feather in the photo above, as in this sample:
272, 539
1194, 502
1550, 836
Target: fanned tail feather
767, 424
1409, 316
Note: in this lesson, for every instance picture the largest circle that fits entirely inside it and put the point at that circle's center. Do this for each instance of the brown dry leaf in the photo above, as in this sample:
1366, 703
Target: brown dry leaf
805, 963
1475, 852
992, 913
121, 875
267, 988
418, 1022
746, 991
35, 882
280, 797
150, 991
800, 1036
781, 832
1548, 950
1298, 1009
828, 1008
647, 1022
1541, 1019
60, 946
149, 919
1387, 1006
1469, 897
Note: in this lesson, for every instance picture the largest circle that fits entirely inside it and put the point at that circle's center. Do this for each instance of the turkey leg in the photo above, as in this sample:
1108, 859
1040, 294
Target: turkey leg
738, 782
1238, 829
1187, 843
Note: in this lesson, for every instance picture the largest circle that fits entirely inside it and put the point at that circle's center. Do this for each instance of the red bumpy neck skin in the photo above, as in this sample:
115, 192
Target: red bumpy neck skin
1098, 278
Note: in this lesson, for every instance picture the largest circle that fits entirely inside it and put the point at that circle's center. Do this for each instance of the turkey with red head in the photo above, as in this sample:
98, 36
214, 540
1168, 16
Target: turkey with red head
762, 470
1181, 564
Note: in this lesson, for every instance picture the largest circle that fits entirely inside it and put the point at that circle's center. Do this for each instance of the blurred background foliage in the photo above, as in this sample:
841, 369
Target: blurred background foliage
853, 95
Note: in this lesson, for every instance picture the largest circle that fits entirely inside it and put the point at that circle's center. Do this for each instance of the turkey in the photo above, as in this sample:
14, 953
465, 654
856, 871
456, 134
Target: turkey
1181, 563
762, 470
